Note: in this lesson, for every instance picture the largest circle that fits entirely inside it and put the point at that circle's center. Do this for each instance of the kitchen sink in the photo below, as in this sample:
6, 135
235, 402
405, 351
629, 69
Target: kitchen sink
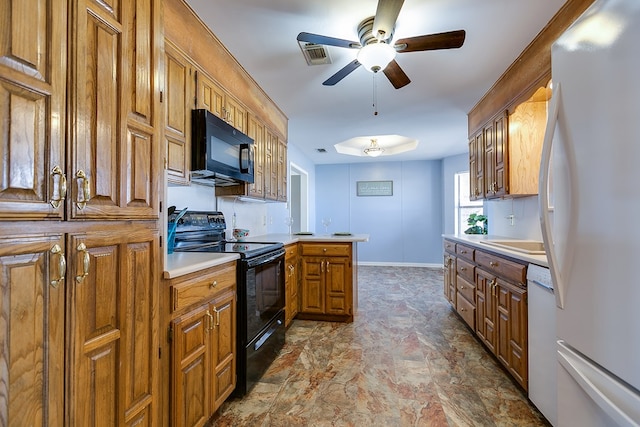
530, 247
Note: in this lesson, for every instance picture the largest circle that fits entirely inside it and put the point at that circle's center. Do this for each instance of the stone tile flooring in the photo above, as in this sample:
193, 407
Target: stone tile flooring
406, 360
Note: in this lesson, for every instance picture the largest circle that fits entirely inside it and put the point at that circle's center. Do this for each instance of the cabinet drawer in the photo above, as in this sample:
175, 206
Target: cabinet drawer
466, 310
502, 267
449, 246
291, 251
198, 289
465, 269
324, 249
465, 251
466, 288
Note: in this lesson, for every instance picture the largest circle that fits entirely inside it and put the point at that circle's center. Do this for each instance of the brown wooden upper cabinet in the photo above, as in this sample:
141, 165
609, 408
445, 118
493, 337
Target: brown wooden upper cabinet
110, 121
504, 154
179, 99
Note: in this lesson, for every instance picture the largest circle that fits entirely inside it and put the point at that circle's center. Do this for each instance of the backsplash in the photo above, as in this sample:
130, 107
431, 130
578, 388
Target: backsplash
250, 215
517, 218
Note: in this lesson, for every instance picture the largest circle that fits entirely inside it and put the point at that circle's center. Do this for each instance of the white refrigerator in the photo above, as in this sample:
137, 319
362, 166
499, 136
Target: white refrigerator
590, 214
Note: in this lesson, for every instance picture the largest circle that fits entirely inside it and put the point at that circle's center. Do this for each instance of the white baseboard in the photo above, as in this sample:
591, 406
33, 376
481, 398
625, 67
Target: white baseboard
399, 264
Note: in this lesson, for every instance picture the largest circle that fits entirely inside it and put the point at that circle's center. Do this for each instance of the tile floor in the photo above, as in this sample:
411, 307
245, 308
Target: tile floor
407, 360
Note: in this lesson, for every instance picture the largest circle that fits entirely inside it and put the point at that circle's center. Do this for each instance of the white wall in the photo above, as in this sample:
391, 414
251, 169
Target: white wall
517, 218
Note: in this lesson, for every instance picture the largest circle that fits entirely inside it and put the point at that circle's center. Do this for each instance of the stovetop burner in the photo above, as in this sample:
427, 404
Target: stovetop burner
201, 231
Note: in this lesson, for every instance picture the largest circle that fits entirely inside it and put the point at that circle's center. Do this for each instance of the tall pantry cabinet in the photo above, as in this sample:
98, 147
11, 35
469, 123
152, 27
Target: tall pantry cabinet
81, 163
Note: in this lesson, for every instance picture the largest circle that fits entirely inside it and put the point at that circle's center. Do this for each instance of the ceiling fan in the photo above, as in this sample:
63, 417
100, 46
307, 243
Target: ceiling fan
375, 51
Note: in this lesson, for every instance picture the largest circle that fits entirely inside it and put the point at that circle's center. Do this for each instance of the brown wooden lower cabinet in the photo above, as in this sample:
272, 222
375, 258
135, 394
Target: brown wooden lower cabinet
327, 284
291, 282
203, 343
493, 302
78, 326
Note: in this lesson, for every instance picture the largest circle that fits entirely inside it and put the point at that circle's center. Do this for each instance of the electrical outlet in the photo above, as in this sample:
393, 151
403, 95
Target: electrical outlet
511, 219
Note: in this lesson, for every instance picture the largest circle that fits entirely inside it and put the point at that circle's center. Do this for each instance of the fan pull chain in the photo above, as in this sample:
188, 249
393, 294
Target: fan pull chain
375, 95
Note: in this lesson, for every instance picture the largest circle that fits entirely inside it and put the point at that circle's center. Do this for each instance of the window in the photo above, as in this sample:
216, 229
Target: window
464, 207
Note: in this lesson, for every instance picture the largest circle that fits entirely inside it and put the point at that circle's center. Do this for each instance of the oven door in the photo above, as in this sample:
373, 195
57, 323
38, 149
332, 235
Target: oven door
264, 291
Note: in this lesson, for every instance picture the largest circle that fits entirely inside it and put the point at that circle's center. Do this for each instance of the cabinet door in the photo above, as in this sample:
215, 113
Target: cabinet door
476, 167
112, 334
236, 114
447, 276
291, 283
486, 309
255, 129
223, 348
270, 166
281, 172
32, 292
500, 175
32, 108
210, 96
114, 170
179, 100
312, 287
488, 136
191, 368
337, 285
512, 330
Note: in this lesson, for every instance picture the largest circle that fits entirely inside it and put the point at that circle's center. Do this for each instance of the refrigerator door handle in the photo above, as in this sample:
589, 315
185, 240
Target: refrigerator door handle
544, 205
618, 400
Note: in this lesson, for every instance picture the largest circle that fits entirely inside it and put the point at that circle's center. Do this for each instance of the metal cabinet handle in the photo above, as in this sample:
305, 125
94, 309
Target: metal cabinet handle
83, 189
62, 266
86, 259
217, 316
213, 284
492, 285
493, 264
61, 193
463, 268
211, 324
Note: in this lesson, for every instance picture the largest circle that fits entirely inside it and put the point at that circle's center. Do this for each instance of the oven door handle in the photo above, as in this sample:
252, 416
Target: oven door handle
265, 259
267, 334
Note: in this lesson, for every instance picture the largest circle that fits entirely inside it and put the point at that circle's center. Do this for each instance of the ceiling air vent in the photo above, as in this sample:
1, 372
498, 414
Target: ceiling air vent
315, 54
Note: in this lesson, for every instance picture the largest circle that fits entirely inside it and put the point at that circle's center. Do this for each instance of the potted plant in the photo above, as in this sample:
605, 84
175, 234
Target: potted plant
477, 224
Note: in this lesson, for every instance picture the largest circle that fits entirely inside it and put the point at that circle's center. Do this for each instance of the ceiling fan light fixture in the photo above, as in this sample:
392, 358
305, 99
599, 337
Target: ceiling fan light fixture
374, 150
376, 56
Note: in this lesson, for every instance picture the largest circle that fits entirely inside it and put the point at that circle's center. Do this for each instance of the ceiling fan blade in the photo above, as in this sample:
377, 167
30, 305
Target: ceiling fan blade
396, 75
385, 19
330, 41
342, 73
448, 40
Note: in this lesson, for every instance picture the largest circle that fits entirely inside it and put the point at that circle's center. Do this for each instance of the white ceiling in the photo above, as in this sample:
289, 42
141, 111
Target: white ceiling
445, 84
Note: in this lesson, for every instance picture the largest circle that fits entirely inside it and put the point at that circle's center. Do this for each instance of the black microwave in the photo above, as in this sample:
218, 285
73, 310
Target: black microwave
221, 155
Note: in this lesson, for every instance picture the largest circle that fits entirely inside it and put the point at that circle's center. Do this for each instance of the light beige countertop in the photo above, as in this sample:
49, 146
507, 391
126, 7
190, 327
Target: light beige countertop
181, 263
294, 238
476, 239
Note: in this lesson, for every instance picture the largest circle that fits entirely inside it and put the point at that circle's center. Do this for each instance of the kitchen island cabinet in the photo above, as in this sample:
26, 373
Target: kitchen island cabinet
327, 282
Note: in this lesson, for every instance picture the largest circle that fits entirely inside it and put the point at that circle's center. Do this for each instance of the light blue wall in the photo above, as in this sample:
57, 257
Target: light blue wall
404, 228
451, 166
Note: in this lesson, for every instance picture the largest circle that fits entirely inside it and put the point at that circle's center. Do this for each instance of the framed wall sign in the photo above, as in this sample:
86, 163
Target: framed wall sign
374, 188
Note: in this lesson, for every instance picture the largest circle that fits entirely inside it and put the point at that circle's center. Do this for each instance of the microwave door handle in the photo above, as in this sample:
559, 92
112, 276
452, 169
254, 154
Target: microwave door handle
245, 158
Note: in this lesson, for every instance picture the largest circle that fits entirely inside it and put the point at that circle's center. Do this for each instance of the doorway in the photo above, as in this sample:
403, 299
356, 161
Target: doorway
299, 198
